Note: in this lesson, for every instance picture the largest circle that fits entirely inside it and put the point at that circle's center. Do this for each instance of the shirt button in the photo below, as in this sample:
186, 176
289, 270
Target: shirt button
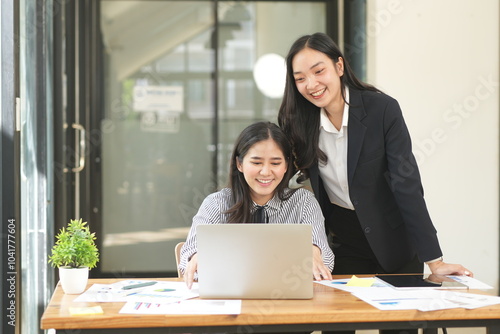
368, 230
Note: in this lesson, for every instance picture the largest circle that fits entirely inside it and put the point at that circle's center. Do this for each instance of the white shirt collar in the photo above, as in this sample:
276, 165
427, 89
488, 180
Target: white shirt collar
324, 121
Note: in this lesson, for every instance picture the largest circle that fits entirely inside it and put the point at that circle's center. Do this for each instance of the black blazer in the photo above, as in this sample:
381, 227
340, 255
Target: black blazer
384, 182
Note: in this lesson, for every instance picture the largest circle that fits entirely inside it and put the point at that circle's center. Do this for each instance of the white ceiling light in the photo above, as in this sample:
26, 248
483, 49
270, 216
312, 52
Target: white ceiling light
269, 74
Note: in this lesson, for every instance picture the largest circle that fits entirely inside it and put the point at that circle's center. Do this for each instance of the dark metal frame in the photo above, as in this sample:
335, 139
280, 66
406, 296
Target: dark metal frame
92, 110
63, 191
9, 166
355, 35
78, 64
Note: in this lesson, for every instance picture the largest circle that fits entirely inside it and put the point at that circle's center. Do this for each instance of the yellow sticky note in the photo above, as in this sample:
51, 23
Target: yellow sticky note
85, 310
361, 282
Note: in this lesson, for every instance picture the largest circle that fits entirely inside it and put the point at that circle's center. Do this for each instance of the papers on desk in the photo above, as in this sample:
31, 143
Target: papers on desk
164, 297
160, 293
471, 282
197, 306
164, 292
385, 297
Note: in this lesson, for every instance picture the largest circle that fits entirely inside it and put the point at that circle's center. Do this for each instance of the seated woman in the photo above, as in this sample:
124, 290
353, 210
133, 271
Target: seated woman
260, 169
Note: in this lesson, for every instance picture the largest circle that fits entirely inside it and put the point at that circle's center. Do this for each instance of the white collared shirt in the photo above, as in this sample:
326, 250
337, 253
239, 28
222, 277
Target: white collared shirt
334, 143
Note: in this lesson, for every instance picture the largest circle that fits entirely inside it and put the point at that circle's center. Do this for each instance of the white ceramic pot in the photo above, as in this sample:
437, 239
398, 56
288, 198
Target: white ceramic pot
73, 280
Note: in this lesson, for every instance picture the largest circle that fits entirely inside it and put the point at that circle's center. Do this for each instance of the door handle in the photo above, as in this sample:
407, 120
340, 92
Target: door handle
79, 150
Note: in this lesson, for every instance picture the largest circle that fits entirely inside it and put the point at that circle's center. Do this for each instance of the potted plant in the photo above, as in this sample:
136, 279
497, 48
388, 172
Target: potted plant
74, 253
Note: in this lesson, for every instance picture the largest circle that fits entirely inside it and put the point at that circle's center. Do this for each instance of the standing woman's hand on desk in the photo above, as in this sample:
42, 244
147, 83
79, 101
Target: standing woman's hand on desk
320, 271
442, 268
191, 269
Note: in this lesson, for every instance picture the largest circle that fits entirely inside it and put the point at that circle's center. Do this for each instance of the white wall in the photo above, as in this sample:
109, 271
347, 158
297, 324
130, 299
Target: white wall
440, 60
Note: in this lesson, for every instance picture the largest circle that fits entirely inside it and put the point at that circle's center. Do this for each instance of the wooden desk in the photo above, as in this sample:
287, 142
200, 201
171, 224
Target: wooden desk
330, 309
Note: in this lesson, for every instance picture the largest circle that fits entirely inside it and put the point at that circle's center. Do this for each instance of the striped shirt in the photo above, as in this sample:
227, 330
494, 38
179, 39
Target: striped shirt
301, 208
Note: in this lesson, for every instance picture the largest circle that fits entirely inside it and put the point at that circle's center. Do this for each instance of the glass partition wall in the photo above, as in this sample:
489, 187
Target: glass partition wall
183, 78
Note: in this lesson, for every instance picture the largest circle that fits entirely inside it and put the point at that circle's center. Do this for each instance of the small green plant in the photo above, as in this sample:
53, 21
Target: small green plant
75, 247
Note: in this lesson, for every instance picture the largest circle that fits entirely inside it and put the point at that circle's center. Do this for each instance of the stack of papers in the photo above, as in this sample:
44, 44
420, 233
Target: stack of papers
384, 297
162, 297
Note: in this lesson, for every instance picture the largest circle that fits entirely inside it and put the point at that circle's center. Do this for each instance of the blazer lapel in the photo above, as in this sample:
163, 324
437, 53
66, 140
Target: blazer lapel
356, 131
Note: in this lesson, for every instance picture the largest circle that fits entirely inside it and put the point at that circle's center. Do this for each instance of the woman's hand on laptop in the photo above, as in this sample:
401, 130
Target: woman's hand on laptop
320, 271
191, 269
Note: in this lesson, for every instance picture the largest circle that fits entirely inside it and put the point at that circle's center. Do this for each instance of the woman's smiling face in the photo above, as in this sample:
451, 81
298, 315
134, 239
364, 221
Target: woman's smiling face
263, 167
317, 78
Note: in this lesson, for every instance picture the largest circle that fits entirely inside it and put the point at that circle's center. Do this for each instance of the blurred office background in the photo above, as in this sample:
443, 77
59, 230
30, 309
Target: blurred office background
124, 113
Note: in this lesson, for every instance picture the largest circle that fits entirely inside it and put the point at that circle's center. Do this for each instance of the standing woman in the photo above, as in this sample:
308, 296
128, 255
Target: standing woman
351, 141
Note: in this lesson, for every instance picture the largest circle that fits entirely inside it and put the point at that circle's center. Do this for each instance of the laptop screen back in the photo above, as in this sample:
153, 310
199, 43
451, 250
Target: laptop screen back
255, 261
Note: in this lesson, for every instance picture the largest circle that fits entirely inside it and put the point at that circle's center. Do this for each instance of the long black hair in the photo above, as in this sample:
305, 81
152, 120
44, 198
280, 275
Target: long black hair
298, 117
252, 134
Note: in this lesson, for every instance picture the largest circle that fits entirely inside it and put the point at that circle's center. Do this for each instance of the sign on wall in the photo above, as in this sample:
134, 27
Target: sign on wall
160, 107
159, 98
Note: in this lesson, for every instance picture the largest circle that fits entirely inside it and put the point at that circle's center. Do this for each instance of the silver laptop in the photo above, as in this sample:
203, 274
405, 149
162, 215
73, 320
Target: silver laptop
255, 261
